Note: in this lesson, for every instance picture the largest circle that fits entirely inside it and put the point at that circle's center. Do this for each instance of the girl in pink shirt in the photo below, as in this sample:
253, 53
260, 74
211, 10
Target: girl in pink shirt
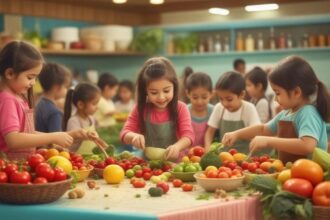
20, 64
158, 119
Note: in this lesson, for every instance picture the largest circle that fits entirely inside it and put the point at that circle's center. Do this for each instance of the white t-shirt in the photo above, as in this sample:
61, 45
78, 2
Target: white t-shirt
249, 115
124, 107
262, 107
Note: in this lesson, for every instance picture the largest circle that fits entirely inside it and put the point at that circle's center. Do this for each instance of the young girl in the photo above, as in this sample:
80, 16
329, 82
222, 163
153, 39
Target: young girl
55, 80
199, 92
300, 126
125, 101
85, 98
20, 64
232, 113
159, 119
256, 85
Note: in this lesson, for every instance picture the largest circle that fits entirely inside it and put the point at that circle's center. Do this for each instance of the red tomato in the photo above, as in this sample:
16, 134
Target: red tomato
35, 159
307, 169
232, 165
139, 184
2, 164
59, 174
100, 165
177, 183
321, 194
198, 151
42, 152
245, 165
146, 169
40, 180
164, 186
10, 168
223, 175
139, 173
167, 167
157, 172
298, 186
110, 160
187, 187
252, 167
147, 175
264, 158
44, 170
232, 151
212, 174
22, 177
3, 177
76, 158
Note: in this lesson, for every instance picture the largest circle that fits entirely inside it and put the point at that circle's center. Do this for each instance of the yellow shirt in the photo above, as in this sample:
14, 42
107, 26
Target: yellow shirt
103, 108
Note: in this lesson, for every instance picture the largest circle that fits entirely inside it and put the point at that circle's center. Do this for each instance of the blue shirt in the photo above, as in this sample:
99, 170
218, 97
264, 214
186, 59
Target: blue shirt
204, 119
307, 122
48, 116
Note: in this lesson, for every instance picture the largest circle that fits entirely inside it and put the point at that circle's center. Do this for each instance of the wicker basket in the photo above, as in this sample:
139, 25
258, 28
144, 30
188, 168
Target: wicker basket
33, 193
82, 174
321, 213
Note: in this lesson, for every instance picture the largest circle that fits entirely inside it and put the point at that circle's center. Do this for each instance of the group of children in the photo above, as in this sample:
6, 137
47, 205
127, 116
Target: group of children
158, 118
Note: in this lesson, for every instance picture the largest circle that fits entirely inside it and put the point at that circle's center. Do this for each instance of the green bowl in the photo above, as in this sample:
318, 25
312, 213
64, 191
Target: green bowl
184, 176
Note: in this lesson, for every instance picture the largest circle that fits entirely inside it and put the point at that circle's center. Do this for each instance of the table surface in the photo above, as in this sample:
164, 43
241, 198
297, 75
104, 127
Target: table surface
120, 202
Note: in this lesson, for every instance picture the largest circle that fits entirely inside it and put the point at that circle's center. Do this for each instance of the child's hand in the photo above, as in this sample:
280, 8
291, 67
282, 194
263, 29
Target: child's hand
229, 139
62, 139
172, 152
138, 141
82, 134
258, 143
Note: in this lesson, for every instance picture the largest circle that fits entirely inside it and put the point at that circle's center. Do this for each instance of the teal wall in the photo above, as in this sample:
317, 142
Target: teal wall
1, 23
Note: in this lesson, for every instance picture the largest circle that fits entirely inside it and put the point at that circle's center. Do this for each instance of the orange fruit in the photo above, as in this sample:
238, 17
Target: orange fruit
307, 169
195, 159
284, 175
65, 154
266, 165
226, 156
210, 168
51, 152
278, 165
239, 157
113, 174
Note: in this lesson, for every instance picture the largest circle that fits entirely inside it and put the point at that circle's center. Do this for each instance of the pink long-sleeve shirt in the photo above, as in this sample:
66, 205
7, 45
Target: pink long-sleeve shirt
183, 129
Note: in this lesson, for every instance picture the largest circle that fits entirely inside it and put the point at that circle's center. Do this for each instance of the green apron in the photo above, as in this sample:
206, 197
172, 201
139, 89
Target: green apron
229, 126
159, 135
86, 146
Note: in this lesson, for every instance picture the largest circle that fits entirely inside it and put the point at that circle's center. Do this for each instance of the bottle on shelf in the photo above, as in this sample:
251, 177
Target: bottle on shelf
289, 43
281, 42
272, 44
311, 41
321, 40
305, 41
170, 45
239, 42
210, 44
201, 46
226, 45
217, 44
260, 42
249, 43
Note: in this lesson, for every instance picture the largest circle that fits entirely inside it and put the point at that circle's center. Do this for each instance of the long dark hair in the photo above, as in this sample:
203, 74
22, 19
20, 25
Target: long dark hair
84, 92
154, 69
20, 56
293, 72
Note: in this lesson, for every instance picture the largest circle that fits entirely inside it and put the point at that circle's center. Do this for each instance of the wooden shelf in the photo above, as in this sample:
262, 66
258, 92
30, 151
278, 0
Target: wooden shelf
83, 52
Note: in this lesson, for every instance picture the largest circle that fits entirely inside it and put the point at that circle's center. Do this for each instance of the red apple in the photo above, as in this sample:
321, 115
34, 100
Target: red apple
76, 45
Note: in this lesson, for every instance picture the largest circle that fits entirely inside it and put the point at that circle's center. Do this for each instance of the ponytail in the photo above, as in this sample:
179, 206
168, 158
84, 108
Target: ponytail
323, 102
67, 109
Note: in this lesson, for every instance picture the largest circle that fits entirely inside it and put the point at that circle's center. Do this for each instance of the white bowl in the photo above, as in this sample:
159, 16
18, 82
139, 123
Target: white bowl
154, 153
211, 184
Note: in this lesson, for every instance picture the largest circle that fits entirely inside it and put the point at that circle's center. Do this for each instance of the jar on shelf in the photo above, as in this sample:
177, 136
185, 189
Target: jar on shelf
289, 42
210, 44
201, 46
217, 44
239, 42
249, 43
328, 40
281, 42
311, 41
226, 45
321, 40
272, 44
260, 42
305, 41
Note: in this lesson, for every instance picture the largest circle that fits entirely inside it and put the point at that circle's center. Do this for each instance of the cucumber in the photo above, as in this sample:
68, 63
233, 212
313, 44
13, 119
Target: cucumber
155, 191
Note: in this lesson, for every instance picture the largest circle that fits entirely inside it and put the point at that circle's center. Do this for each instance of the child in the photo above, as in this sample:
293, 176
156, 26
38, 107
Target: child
85, 98
125, 101
159, 119
106, 108
20, 64
182, 84
256, 85
199, 92
232, 113
300, 126
55, 80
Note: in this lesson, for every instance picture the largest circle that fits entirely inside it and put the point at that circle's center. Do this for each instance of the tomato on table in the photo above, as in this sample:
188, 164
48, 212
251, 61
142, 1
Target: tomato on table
321, 194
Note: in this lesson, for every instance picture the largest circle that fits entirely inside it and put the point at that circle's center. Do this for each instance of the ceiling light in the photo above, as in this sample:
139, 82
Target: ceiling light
156, 2
119, 1
219, 11
264, 7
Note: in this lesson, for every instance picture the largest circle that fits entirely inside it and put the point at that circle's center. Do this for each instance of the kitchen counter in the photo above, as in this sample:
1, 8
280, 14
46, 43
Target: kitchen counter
125, 202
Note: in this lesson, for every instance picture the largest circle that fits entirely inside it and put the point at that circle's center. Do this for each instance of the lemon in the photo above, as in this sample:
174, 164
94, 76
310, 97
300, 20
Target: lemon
62, 162
113, 174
